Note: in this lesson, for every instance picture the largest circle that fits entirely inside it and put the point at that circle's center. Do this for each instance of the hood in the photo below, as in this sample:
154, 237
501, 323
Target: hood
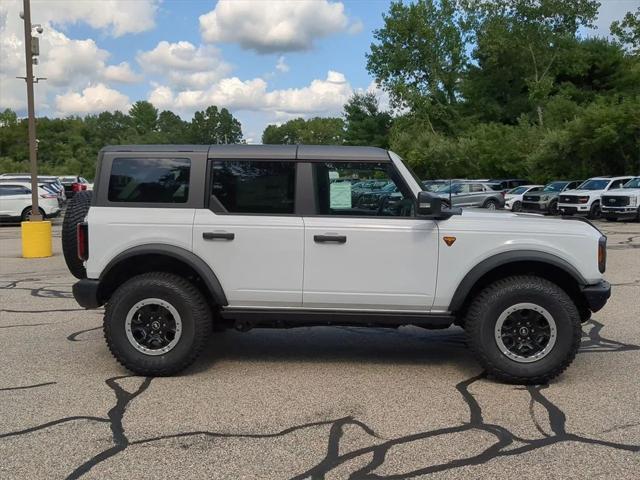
623, 191
581, 192
525, 223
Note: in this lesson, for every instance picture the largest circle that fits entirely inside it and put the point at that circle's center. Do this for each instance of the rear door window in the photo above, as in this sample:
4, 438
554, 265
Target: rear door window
149, 180
254, 186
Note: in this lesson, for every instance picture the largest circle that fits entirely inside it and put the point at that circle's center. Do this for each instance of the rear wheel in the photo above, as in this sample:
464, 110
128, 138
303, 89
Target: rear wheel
490, 204
77, 209
26, 213
157, 324
523, 329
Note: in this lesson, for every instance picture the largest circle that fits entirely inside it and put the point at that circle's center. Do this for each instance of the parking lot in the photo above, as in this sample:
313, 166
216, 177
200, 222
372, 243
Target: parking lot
308, 403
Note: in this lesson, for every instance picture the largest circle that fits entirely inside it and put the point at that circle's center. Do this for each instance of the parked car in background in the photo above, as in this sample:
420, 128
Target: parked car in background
513, 198
622, 202
74, 184
472, 194
382, 201
585, 200
509, 183
546, 200
52, 182
15, 201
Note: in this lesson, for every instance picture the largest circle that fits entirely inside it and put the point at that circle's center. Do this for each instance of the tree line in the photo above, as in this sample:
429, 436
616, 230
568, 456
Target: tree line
477, 89
69, 146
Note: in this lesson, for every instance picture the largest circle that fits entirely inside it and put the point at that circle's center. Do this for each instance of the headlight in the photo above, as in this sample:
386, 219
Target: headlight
633, 201
583, 199
545, 198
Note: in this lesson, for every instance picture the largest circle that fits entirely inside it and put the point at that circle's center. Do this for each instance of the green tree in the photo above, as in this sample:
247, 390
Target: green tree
315, 131
419, 56
213, 126
144, 117
365, 124
172, 129
627, 31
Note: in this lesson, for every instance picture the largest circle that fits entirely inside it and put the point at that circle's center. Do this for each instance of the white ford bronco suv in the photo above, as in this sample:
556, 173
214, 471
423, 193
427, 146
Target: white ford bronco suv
178, 241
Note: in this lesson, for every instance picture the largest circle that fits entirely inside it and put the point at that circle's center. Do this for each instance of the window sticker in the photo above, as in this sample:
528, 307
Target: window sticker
340, 195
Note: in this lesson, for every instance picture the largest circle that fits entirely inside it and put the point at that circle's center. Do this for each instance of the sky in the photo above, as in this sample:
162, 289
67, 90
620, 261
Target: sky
266, 61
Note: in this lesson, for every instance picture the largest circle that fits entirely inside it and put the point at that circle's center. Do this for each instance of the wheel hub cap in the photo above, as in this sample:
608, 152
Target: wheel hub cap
153, 326
525, 332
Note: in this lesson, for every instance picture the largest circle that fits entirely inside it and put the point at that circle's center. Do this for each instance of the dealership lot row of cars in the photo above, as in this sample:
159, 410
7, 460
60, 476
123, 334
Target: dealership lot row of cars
53, 192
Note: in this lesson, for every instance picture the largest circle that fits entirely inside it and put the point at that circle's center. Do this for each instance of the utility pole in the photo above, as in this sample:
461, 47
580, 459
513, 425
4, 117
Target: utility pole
30, 58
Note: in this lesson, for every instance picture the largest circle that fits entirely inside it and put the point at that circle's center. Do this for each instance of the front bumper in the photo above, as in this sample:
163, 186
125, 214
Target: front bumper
597, 295
536, 207
620, 212
574, 209
86, 293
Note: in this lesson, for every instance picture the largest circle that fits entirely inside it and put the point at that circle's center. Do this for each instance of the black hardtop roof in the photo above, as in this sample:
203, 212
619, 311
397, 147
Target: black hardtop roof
301, 152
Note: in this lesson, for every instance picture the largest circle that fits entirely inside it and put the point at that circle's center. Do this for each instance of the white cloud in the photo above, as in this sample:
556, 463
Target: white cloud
68, 64
184, 64
273, 26
281, 66
320, 97
117, 17
121, 73
93, 99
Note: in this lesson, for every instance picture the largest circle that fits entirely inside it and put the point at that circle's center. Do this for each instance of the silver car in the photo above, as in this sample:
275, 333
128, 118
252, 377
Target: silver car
473, 194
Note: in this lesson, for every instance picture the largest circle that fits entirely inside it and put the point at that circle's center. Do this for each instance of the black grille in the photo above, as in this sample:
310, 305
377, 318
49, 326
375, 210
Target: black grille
568, 199
531, 206
610, 201
531, 198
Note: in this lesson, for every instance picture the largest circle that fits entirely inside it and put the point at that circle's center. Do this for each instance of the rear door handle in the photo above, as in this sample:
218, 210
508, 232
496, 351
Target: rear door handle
330, 238
218, 236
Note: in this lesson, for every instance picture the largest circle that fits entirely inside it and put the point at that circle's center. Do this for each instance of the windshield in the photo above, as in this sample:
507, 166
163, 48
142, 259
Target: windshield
517, 190
554, 187
633, 183
455, 188
594, 185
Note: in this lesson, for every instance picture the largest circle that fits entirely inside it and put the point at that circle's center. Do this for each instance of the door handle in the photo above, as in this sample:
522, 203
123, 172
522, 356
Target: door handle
218, 236
330, 238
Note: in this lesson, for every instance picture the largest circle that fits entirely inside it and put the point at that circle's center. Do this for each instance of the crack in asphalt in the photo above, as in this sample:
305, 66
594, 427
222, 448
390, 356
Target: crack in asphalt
26, 387
48, 291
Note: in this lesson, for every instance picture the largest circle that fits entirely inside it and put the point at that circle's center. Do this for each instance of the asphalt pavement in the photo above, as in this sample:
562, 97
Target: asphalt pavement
318, 402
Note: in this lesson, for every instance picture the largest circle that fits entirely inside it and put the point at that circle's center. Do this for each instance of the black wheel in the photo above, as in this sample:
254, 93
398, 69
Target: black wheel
157, 323
490, 205
26, 213
77, 209
516, 207
553, 208
523, 329
595, 211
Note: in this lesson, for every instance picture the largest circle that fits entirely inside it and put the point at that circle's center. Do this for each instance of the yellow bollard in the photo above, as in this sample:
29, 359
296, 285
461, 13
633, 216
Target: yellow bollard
36, 239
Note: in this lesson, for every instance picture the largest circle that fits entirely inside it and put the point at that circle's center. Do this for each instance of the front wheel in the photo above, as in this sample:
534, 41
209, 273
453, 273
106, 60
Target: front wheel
157, 323
523, 329
517, 206
553, 208
595, 211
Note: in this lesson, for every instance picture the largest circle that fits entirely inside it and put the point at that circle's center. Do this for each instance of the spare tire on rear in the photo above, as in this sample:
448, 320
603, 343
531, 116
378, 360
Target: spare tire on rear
77, 209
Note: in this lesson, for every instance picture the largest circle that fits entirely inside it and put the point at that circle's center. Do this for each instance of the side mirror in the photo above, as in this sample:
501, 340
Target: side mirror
428, 205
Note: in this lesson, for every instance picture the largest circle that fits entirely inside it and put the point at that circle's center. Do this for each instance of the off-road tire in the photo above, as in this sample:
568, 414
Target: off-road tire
487, 306
488, 204
186, 299
595, 212
77, 209
26, 213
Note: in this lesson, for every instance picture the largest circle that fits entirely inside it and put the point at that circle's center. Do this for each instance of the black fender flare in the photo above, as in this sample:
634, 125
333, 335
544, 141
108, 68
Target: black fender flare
504, 258
191, 259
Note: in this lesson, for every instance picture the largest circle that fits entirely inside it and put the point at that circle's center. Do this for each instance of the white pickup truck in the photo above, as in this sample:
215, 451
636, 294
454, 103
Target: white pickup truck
180, 241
